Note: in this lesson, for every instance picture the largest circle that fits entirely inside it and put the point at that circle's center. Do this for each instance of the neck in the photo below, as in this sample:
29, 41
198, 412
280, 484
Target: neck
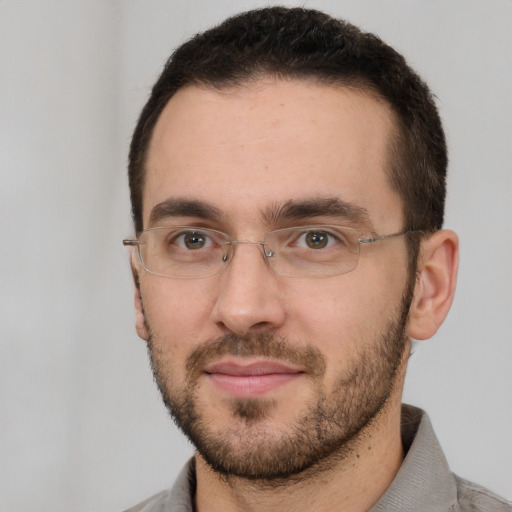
353, 481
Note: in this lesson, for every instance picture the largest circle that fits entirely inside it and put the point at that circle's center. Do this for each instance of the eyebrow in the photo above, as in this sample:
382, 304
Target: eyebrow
292, 210
178, 207
317, 207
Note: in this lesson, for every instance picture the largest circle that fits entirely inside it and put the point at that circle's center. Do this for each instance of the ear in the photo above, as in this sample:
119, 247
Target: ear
438, 263
140, 321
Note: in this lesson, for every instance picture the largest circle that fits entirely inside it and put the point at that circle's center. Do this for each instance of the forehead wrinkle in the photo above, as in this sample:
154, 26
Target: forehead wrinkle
180, 207
316, 207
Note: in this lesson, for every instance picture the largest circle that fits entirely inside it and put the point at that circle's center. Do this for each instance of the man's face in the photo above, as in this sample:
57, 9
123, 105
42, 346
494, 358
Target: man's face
269, 374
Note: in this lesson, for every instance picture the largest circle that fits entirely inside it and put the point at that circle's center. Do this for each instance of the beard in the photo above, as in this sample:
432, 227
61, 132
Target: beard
323, 433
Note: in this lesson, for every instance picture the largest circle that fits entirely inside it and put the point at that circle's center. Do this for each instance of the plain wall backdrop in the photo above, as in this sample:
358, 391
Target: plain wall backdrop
82, 427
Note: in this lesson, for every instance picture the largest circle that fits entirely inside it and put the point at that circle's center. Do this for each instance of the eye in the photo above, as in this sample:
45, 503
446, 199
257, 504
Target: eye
316, 240
192, 240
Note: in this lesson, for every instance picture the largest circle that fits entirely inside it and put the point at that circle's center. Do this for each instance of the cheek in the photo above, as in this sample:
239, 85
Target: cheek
346, 313
333, 319
175, 310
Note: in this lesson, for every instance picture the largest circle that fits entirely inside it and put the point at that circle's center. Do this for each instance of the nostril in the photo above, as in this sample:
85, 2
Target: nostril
259, 326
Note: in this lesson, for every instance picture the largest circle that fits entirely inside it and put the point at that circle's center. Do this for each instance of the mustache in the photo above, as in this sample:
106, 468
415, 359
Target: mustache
262, 345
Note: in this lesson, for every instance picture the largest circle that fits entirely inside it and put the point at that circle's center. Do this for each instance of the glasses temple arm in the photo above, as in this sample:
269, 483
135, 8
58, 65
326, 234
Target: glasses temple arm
377, 238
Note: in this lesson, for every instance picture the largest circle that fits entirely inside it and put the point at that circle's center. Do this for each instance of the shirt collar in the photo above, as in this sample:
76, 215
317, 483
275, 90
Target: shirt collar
424, 481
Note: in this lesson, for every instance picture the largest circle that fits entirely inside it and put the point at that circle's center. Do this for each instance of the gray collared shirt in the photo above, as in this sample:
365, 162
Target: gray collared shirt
424, 483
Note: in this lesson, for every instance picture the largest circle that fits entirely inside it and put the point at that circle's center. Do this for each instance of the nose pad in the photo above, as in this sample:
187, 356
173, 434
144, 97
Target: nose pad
227, 257
248, 299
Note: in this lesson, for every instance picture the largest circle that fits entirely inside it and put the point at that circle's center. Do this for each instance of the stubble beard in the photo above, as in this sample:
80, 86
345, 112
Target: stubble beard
325, 433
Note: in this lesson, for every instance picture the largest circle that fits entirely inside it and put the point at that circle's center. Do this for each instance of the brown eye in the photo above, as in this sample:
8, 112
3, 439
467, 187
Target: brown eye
316, 239
192, 240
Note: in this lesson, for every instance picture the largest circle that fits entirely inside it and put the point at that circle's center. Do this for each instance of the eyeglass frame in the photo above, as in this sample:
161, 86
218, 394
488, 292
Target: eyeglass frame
232, 243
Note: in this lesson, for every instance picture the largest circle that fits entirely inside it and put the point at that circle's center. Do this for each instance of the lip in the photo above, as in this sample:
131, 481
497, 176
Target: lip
245, 380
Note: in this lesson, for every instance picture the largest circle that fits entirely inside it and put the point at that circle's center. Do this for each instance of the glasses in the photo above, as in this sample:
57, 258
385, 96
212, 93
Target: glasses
307, 251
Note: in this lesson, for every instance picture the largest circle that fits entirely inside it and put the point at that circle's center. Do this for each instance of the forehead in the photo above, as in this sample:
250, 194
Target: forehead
271, 142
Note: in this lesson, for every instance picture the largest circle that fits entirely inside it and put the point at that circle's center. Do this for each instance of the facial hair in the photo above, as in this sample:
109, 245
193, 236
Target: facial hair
324, 431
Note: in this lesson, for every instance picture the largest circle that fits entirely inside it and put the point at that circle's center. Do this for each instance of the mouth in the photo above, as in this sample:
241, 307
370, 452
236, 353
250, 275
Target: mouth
250, 380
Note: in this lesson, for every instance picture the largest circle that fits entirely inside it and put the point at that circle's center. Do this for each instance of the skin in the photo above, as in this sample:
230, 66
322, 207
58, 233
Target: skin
243, 151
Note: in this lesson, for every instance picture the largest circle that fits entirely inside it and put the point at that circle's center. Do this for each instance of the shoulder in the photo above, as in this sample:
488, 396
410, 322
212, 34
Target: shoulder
154, 504
475, 498
177, 499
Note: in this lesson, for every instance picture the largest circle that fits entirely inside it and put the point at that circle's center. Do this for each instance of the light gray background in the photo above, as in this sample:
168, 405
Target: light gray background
81, 424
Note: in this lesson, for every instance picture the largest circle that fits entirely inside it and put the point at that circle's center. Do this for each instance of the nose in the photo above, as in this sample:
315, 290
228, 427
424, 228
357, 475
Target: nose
249, 298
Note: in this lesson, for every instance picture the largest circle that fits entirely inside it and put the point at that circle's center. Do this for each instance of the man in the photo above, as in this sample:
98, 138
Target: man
287, 181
